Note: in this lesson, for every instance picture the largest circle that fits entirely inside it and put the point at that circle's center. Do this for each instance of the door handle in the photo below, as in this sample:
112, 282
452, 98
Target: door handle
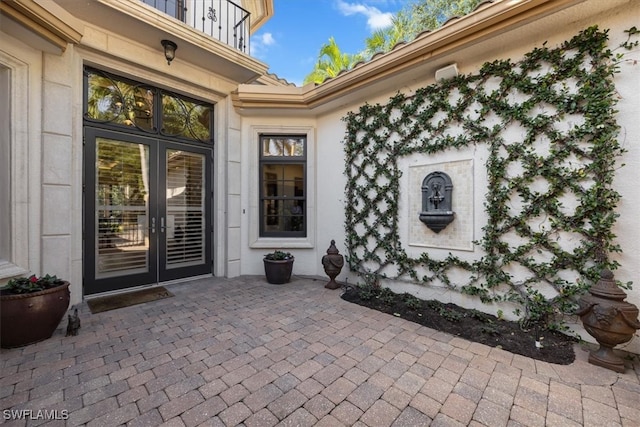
163, 227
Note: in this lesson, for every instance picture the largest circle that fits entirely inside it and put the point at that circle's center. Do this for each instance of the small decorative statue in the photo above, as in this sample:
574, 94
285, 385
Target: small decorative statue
74, 323
332, 263
609, 319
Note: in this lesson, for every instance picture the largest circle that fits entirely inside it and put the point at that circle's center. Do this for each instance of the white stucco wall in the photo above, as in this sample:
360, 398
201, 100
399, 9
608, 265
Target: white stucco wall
46, 188
47, 147
62, 170
303, 249
509, 45
627, 177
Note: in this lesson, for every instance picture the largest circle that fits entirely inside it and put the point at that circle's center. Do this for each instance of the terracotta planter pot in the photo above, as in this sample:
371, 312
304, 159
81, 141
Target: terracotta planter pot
278, 272
33, 317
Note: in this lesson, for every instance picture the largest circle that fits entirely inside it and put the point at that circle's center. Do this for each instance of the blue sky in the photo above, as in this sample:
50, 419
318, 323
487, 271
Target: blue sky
290, 41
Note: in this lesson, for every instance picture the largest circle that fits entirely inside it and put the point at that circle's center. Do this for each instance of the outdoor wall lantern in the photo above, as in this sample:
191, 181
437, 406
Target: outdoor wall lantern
169, 50
436, 201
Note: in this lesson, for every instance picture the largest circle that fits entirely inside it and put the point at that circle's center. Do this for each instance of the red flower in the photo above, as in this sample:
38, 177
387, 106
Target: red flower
33, 279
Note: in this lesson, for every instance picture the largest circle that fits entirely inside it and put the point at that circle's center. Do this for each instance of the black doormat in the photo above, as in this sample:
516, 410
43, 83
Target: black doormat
100, 304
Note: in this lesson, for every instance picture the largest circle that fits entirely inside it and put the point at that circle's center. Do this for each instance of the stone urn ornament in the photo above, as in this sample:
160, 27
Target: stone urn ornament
609, 319
333, 263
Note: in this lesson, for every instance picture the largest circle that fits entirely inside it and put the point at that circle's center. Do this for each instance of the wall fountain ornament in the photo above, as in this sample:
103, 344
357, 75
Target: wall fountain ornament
436, 201
609, 319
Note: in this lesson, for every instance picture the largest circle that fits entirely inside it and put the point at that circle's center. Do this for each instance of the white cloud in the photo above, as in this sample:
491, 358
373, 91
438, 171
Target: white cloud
267, 39
376, 19
260, 45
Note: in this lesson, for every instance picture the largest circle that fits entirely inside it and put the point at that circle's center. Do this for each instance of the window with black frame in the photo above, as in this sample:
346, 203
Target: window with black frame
283, 185
115, 101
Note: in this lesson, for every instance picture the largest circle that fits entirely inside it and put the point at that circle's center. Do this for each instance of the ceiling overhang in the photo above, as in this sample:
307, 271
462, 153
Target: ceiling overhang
46, 20
147, 26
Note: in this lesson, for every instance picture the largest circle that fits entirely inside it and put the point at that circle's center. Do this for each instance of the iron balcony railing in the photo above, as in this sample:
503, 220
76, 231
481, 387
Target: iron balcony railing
223, 20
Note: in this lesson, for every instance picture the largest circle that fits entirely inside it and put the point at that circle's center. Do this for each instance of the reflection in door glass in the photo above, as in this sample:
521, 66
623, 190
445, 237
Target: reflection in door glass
184, 118
185, 231
112, 100
122, 208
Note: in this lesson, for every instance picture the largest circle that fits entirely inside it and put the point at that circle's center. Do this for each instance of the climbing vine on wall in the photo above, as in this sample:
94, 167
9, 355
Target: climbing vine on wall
550, 186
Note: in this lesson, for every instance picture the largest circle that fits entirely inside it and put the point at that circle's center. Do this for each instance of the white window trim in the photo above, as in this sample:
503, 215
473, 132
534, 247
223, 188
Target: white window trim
18, 187
255, 241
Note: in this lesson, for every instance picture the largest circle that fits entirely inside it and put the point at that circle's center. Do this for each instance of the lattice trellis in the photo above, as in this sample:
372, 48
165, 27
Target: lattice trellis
550, 202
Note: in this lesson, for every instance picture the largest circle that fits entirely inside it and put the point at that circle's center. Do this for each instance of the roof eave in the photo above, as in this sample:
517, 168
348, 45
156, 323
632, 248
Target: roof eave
46, 19
468, 30
261, 11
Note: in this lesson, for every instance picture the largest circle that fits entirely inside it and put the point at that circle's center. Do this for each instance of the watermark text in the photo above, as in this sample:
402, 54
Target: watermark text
30, 414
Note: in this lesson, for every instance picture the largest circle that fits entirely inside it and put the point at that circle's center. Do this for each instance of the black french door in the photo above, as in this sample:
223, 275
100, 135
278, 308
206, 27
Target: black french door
147, 210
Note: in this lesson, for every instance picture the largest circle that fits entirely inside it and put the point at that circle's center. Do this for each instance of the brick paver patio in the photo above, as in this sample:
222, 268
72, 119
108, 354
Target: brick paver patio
226, 352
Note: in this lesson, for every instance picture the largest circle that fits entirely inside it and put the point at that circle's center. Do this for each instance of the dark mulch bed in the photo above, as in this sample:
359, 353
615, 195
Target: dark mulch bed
472, 325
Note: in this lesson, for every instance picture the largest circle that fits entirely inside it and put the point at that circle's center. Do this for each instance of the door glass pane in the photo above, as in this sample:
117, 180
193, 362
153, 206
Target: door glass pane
110, 100
122, 201
184, 118
185, 221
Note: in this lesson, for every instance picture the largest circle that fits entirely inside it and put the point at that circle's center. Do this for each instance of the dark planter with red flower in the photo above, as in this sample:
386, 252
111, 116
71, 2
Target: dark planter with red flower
32, 315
